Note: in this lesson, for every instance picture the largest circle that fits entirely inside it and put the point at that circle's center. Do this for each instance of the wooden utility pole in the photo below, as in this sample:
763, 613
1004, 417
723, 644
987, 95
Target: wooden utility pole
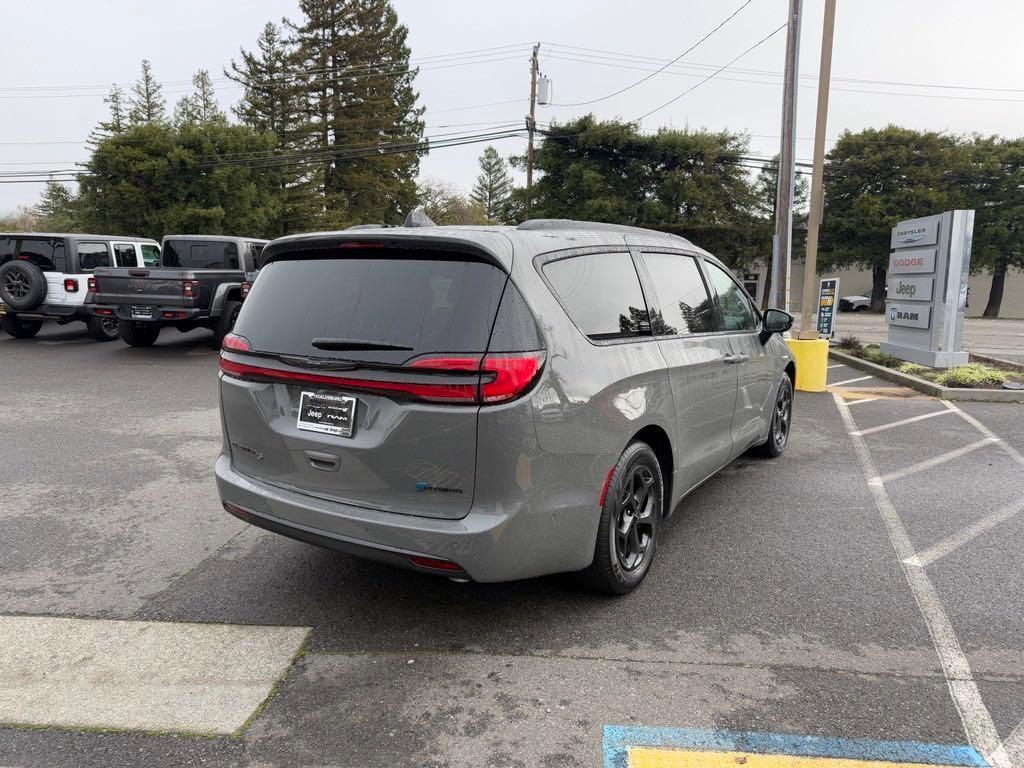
782, 242
807, 306
531, 125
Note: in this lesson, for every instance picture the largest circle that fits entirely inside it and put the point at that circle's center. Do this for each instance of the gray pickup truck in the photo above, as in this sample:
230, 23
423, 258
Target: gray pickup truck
200, 283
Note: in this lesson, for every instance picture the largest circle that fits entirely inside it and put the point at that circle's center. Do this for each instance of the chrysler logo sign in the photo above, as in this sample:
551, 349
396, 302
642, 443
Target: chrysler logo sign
907, 236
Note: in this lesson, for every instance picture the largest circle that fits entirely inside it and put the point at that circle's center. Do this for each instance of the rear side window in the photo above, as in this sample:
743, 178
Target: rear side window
427, 305
736, 312
601, 294
256, 251
124, 255
46, 253
684, 304
150, 255
92, 255
200, 254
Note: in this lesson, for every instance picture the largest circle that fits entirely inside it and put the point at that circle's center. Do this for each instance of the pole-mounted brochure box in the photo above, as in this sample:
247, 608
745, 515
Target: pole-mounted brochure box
926, 288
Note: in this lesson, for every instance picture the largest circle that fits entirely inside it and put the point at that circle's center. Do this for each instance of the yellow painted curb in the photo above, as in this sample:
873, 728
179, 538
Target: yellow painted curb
650, 757
811, 357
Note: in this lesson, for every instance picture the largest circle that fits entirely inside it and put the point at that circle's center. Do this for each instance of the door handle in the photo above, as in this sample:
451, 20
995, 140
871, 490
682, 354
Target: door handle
325, 462
735, 359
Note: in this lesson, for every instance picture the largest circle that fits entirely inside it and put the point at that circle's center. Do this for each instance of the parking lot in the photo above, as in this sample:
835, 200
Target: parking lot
869, 585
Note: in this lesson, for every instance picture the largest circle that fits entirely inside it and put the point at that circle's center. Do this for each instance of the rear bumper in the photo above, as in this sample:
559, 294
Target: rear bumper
124, 312
502, 544
53, 311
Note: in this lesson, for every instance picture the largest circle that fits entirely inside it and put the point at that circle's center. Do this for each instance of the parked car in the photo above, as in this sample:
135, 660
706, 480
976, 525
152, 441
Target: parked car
46, 276
854, 303
198, 283
493, 403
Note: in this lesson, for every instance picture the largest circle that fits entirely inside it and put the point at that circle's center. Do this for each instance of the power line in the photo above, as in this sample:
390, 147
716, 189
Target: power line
725, 66
642, 80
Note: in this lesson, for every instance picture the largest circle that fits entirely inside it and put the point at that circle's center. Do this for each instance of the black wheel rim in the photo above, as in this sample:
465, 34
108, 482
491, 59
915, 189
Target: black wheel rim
783, 415
110, 326
16, 285
634, 518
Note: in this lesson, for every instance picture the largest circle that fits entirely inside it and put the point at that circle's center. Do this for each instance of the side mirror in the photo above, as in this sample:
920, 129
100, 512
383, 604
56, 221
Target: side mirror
774, 321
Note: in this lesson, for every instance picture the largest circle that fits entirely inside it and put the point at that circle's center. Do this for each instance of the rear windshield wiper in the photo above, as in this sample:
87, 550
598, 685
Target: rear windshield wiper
357, 344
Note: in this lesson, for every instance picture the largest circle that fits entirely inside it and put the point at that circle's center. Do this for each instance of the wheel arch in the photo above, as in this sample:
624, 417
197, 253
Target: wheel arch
656, 437
791, 372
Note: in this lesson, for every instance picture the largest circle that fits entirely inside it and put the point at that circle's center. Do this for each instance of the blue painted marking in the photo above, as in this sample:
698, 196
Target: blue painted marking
422, 486
619, 738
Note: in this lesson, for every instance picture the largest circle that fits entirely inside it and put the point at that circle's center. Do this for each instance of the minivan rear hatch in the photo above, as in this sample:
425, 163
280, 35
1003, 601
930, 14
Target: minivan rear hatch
354, 374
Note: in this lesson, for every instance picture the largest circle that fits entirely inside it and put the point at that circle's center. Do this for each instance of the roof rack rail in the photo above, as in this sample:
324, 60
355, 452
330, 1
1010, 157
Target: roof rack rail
369, 226
573, 224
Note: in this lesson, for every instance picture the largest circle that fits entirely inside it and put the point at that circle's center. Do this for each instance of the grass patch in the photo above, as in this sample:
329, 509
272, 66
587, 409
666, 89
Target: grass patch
971, 376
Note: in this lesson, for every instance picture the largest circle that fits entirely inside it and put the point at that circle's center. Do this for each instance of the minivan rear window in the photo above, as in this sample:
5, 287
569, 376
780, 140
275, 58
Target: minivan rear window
430, 305
200, 254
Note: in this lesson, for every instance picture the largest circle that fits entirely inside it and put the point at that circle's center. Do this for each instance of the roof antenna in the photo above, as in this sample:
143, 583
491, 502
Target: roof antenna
418, 218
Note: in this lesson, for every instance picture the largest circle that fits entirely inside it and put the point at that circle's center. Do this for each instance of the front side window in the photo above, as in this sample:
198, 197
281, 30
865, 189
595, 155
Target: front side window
601, 294
124, 255
737, 314
44, 252
684, 304
150, 255
92, 255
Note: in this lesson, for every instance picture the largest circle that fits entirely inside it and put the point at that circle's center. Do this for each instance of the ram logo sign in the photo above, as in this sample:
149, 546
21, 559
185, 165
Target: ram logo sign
910, 315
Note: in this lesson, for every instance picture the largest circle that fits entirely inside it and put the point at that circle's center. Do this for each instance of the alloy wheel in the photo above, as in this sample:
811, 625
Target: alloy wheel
634, 519
783, 415
16, 285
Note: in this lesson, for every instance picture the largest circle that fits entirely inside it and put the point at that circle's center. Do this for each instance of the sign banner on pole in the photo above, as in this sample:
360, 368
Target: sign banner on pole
828, 290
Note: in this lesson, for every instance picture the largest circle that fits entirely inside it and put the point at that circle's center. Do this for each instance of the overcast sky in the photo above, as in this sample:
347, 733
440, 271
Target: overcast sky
884, 51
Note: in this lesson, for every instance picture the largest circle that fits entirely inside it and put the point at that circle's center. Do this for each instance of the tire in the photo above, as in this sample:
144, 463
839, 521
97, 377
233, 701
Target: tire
22, 285
138, 334
635, 500
782, 421
103, 328
226, 321
19, 328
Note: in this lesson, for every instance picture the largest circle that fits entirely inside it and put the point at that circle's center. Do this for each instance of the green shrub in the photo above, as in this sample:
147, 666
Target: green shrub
972, 376
850, 344
874, 355
913, 369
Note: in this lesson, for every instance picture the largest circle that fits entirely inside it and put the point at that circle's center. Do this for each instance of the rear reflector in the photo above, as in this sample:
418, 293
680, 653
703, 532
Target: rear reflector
434, 563
105, 312
494, 379
235, 510
70, 285
174, 315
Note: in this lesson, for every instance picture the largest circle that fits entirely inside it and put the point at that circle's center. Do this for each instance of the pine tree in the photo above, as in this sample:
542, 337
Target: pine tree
118, 121
147, 103
274, 101
205, 99
186, 112
362, 106
493, 186
56, 208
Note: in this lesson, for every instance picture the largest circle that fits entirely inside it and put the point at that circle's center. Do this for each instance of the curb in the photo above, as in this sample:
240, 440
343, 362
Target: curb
929, 387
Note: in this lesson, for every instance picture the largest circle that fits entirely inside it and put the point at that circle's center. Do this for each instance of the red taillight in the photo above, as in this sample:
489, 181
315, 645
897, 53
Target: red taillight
93, 285
105, 312
246, 287
434, 563
70, 285
190, 288
236, 343
513, 375
494, 379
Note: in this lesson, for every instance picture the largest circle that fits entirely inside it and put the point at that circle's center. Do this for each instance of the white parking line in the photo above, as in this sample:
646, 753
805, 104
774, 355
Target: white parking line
940, 459
1010, 451
139, 675
901, 422
850, 381
957, 540
837, 365
863, 400
977, 722
1015, 745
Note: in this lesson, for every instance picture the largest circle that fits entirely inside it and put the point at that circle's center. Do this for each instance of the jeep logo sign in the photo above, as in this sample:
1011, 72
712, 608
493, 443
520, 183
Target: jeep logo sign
915, 232
910, 288
910, 315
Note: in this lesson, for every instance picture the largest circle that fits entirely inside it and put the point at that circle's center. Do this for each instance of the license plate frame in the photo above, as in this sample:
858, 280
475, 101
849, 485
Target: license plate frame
327, 413
141, 313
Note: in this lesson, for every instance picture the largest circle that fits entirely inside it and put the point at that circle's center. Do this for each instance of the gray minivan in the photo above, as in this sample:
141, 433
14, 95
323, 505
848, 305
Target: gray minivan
493, 403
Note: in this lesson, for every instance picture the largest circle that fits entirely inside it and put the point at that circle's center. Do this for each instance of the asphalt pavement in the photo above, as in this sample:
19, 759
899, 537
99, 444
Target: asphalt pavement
781, 600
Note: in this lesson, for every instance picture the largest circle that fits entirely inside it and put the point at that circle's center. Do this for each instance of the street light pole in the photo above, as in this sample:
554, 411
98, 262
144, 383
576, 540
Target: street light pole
807, 305
782, 242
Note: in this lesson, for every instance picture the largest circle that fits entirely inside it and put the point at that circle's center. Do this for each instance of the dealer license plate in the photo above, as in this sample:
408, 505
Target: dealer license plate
142, 313
331, 414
